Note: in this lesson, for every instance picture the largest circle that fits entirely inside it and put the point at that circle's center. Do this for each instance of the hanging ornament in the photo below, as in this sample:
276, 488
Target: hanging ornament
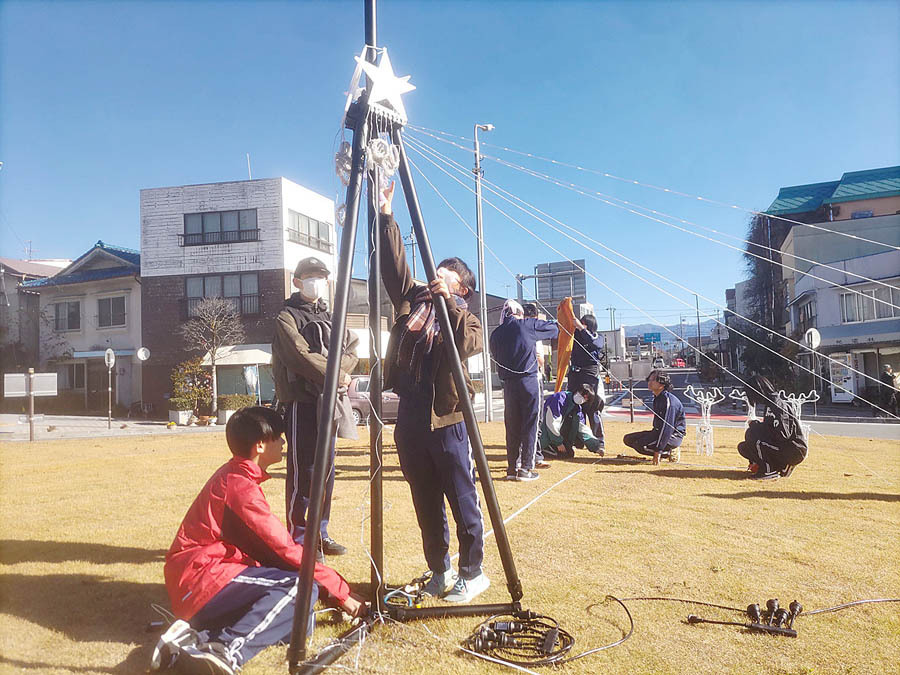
382, 154
340, 213
343, 162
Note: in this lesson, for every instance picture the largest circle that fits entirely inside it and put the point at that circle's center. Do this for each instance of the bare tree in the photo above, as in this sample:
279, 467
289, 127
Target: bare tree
214, 324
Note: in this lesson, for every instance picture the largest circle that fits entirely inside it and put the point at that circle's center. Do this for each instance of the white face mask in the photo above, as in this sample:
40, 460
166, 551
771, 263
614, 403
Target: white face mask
314, 288
579, 399
451, 278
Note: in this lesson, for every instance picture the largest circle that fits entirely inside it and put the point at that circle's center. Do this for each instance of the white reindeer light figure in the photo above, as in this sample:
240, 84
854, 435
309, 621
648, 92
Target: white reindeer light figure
741, 395
795, 402
706, 400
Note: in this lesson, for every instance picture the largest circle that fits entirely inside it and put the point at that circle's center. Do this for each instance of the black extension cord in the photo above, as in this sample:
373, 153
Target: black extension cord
526, 639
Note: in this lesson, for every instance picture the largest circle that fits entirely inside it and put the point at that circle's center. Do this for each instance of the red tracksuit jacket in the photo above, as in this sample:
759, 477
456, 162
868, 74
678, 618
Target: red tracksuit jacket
229, 528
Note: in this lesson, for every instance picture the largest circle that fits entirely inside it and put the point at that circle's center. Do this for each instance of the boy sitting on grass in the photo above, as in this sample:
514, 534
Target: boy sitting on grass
232, 569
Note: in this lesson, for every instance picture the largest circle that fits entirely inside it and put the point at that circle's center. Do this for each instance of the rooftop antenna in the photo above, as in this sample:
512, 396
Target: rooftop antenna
249, 174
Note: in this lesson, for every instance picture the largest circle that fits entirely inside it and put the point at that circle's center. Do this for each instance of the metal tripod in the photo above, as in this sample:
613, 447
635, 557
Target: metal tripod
358, 120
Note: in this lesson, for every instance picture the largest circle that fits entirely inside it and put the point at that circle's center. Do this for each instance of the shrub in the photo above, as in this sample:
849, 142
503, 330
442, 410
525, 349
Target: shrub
236, 401
181, 403
191, 386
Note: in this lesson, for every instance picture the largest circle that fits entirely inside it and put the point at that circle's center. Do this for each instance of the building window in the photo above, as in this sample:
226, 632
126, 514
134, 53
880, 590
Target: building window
67, 316
219, 227
309, 232
241, 290
111, 312
71, 376
807, 315
870, 304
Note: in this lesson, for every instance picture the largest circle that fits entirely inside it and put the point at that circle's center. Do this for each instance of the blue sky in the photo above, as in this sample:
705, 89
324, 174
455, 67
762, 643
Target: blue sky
729, 100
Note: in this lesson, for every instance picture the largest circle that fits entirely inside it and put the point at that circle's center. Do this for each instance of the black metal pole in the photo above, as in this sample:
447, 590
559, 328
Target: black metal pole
297, 648
444, 611
333, 651
376, 425
487, 484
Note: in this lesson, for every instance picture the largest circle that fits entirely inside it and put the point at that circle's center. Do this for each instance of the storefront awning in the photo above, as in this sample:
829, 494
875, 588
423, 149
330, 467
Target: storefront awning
241, 355
100, 354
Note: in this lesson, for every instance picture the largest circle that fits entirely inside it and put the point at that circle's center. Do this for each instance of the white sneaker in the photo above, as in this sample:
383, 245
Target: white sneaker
176, 637
210, 658
466, 590
440, 584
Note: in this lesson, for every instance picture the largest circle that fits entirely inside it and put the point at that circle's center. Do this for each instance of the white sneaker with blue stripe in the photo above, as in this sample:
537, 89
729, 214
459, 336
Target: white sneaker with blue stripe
440, 584
466, 590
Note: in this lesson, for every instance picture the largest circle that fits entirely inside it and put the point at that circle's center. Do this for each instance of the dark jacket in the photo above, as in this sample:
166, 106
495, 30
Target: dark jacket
297, 367
668, 420
784, 429
513, 345
586, 351
445, 403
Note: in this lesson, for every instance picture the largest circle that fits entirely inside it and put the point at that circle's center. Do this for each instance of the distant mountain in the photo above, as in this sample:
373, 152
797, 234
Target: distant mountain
690, 330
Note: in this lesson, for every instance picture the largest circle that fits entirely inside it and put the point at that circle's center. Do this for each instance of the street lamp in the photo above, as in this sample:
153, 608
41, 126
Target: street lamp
486, 368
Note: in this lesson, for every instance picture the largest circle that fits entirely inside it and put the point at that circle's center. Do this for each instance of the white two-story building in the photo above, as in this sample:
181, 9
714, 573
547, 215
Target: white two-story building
92, 305
238, 240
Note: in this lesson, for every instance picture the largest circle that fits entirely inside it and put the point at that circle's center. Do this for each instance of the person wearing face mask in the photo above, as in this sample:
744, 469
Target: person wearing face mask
564, 425
668, 421
514, 349
431, 436
299, 358
584, 368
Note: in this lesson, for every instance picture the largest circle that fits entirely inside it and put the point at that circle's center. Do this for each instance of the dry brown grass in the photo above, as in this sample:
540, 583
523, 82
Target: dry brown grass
86, 525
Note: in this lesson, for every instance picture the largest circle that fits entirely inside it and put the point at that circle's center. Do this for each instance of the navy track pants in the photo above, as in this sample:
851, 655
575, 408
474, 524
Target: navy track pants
436, 464
301, 430
521, 408
253, 611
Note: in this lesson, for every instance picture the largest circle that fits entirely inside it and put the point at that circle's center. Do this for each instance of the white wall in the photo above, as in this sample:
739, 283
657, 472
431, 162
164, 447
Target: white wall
162, 220
303, 200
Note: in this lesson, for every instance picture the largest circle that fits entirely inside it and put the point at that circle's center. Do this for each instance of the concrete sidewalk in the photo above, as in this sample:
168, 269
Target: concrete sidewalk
52, 427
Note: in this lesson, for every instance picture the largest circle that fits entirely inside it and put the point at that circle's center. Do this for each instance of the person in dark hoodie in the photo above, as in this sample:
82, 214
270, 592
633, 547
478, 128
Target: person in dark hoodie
668, 421
299, 358
584, 368
514, 349
775, 444
431, 436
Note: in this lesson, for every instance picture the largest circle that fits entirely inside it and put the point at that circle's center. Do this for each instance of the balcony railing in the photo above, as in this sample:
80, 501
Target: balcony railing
308, 240
225, 237
245, 305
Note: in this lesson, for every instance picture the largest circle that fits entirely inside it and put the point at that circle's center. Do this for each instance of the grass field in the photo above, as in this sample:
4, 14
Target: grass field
86, 525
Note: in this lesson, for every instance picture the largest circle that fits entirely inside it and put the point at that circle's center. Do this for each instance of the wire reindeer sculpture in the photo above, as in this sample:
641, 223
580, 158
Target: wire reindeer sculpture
741, 395
706, 400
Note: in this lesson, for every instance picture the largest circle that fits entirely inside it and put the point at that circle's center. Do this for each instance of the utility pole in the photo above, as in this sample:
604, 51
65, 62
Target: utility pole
699, 347
681, 331
486, 368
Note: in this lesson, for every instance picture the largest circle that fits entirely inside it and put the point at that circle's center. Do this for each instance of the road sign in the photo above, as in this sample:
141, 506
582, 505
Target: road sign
812, 338
109, 356
15, 385
652, 337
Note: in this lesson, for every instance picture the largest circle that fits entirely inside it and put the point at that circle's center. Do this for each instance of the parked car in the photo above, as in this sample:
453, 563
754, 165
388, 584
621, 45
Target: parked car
658, 362
358, 391
678, 363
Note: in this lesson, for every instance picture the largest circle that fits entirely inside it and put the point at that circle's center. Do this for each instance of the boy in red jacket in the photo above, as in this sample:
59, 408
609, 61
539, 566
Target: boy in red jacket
232, 569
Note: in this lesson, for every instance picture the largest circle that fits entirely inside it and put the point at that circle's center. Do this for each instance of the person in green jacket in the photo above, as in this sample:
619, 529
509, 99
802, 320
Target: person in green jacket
563, 424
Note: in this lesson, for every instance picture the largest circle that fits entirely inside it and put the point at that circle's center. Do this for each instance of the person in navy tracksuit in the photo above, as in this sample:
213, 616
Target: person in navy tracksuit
668, 421
513, 348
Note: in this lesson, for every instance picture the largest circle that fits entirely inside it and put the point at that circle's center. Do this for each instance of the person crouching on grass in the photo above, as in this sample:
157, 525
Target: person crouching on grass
231, 572
431, 436
668, 421
564, 425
